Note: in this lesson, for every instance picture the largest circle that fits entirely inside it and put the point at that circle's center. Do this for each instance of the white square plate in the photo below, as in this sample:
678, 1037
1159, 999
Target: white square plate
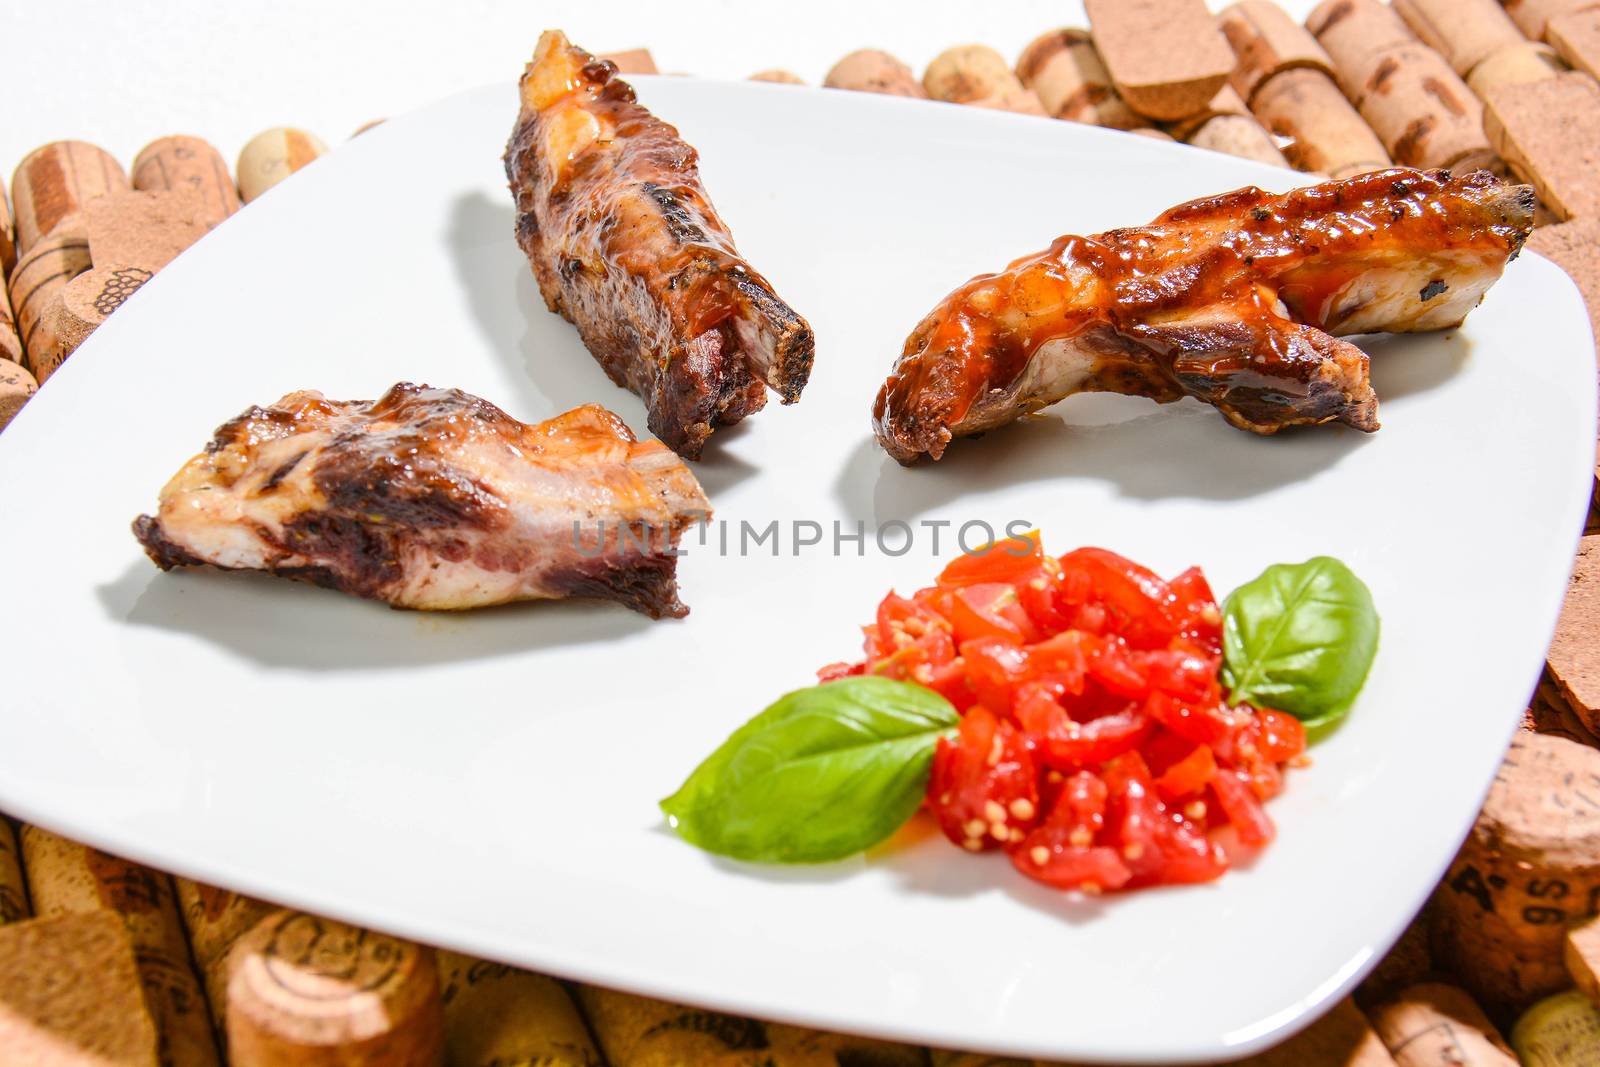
489, 781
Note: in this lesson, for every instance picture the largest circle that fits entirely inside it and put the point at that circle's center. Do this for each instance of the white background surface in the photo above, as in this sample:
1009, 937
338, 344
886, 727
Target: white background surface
120, 73
488, 782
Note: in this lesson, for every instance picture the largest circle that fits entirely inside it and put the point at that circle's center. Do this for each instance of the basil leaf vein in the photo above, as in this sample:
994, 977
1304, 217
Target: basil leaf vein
1300, 638
822, 773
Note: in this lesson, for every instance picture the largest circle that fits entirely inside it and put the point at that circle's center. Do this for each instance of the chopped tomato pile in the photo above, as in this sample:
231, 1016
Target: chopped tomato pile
1095, 747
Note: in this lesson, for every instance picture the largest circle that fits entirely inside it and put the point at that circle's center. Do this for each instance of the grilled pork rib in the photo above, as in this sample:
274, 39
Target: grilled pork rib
626, 245
1232, 299
433, 499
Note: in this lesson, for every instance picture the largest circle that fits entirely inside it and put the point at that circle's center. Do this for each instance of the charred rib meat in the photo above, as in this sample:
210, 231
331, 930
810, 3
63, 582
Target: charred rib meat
433, 499
626, 245
1236, 300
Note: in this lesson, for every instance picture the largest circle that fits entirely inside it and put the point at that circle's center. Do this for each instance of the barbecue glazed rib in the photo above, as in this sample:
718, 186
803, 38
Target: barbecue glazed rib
433, 499
1232, 299
626, 245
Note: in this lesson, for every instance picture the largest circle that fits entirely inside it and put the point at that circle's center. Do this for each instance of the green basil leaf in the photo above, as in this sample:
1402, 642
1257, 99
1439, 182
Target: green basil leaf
1301, 639
823, 773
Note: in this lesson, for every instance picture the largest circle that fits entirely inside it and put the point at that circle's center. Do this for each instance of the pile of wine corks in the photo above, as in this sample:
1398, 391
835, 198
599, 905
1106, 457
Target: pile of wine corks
81, 234
1160, 70
1363, 84
106, 963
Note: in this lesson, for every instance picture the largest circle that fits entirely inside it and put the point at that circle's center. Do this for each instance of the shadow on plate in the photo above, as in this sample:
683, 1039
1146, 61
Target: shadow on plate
920, 861
1146, 451
558, 370
1182, 450
279, 623
510, 314
1406, 364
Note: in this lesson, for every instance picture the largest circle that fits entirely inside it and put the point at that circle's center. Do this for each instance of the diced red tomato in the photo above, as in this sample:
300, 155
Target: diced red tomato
1004, 561
984, 788
1182, 674
1095, 746
1113, 667
1242, 808
1164, 749
1190, 856
1141, 605
834, 671
1197, 608
1281, 737
1204, 724
1093, 869
990, 609
1076, 744
1040, 593
995, 666
1189, 775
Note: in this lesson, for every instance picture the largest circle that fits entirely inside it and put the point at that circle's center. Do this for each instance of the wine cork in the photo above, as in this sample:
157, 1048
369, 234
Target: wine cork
70, 996
1533, 16
1356, 34
16, 387
1549, 712
943, 1058
1406, 964
1326, 135
1549, 132
77, 310
1066, 73
1437, 1025
1559, 1031
311, 992
1341, 1038
181, 162
1266, 41
43, 271
1574, 656
500, 1016
637, 1031
1423, 113
216, 919
131, 235
1166, 57
1576, 36
10, 343
1575, 248
8, 238
1226, 102
1530, 866
779, 77
1239, 135
967, 73
66, 878
1516, 64
56, 182
1465, 32
1018, 101
871, 71
633, 61
13, 893
976, 74
147, 229
1582, 955
273, 155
